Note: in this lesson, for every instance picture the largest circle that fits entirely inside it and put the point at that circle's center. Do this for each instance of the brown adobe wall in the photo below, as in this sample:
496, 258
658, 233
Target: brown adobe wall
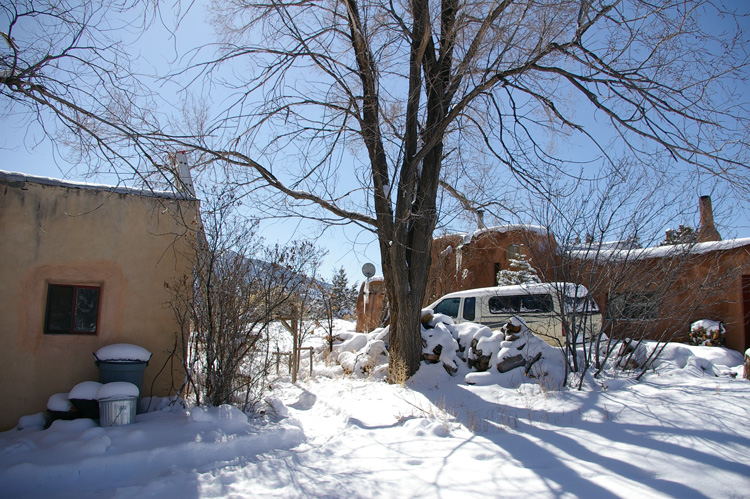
457, 266
707, 286
369, 317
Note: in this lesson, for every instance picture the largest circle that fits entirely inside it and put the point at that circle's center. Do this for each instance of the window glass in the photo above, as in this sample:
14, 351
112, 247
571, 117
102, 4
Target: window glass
580, 305
448, 307
59, 309
87, 310
71, 309
536, 303
469, 305
635, 306
521, 303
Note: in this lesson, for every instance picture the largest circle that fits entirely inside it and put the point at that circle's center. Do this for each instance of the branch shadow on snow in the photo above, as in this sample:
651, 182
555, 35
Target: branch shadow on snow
538, 439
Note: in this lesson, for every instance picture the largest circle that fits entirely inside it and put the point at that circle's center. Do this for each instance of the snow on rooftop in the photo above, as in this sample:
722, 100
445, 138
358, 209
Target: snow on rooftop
500, 229
9, 176
595, 252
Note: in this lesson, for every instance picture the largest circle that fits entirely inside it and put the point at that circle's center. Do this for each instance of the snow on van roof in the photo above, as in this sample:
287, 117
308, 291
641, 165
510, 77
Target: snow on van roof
570, 289
10, 176
597, 253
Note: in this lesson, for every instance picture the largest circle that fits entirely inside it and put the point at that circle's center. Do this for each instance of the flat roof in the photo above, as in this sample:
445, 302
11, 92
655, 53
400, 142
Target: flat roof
9, 176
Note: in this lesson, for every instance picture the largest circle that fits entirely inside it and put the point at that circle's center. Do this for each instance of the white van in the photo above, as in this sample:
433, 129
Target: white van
541, 305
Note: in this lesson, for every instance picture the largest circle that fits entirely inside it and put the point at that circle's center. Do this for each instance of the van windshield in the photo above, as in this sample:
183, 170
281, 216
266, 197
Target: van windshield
520, 303
449, 307
580, 305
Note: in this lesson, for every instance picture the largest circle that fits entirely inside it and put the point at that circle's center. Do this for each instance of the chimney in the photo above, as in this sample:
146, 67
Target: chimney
184, 180
707, 231
480, 220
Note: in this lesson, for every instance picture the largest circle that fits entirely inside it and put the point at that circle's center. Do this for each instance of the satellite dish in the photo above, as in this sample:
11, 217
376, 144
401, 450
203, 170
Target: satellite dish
368, 270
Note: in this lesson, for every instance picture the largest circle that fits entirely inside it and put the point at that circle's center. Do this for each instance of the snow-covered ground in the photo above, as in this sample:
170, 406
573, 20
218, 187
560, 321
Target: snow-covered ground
681, 432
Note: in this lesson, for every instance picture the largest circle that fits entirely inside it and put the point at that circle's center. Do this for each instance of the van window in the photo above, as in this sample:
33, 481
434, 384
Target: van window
469, 304
520, 303
580, 305
449, 307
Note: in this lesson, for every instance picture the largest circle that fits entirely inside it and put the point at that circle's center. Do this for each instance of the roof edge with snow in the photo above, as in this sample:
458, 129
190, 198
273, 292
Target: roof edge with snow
596, 253
9, 176
499, 229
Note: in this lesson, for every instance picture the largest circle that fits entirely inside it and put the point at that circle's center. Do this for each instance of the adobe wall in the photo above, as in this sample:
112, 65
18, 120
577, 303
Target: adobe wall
370, 305
129, 245
700, 286
458, 263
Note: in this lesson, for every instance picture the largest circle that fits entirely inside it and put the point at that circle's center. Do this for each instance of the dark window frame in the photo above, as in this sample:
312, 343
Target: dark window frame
633, 306
55, 293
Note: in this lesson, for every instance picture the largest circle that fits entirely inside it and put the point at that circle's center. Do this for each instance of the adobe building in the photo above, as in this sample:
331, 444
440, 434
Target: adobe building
653, 292
84, 266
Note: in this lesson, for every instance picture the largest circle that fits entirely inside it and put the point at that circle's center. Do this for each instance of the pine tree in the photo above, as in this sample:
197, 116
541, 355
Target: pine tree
520, 272
343, 298
683, 235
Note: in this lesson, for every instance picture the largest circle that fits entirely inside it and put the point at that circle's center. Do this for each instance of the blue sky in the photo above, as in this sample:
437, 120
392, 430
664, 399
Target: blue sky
26, 149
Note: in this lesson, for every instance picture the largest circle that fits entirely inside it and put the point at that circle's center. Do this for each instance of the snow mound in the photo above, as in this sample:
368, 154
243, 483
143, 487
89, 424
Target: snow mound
421, 427
59, 403
86, 390
698, 360
439, 345
518, 359
227, 417
123, 352
32, 422
117, 390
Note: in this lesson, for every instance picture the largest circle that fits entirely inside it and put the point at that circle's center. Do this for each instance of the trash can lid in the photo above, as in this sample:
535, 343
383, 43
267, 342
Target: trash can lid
117, 390
123, 352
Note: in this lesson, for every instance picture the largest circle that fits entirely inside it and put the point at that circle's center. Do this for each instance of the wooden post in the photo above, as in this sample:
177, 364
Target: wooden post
295, 349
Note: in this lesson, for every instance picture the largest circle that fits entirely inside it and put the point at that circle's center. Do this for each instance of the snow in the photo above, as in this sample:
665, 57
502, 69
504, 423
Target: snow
23, 177
596, 253
708, 326
680, 431
86, 390
117, 390
501, 229
123, 352
59, 402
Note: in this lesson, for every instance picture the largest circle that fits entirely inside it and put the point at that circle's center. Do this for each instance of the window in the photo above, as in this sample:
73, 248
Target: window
580, 305
469, 306
520, 303
448, 307
634, 306
71, 309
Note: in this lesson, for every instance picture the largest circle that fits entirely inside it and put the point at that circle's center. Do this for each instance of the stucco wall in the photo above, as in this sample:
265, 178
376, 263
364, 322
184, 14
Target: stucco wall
702, 285
127, 244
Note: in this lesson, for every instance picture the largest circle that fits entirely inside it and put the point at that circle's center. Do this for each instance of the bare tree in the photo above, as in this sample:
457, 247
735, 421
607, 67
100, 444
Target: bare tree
648, 293
389, 93
239, 286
